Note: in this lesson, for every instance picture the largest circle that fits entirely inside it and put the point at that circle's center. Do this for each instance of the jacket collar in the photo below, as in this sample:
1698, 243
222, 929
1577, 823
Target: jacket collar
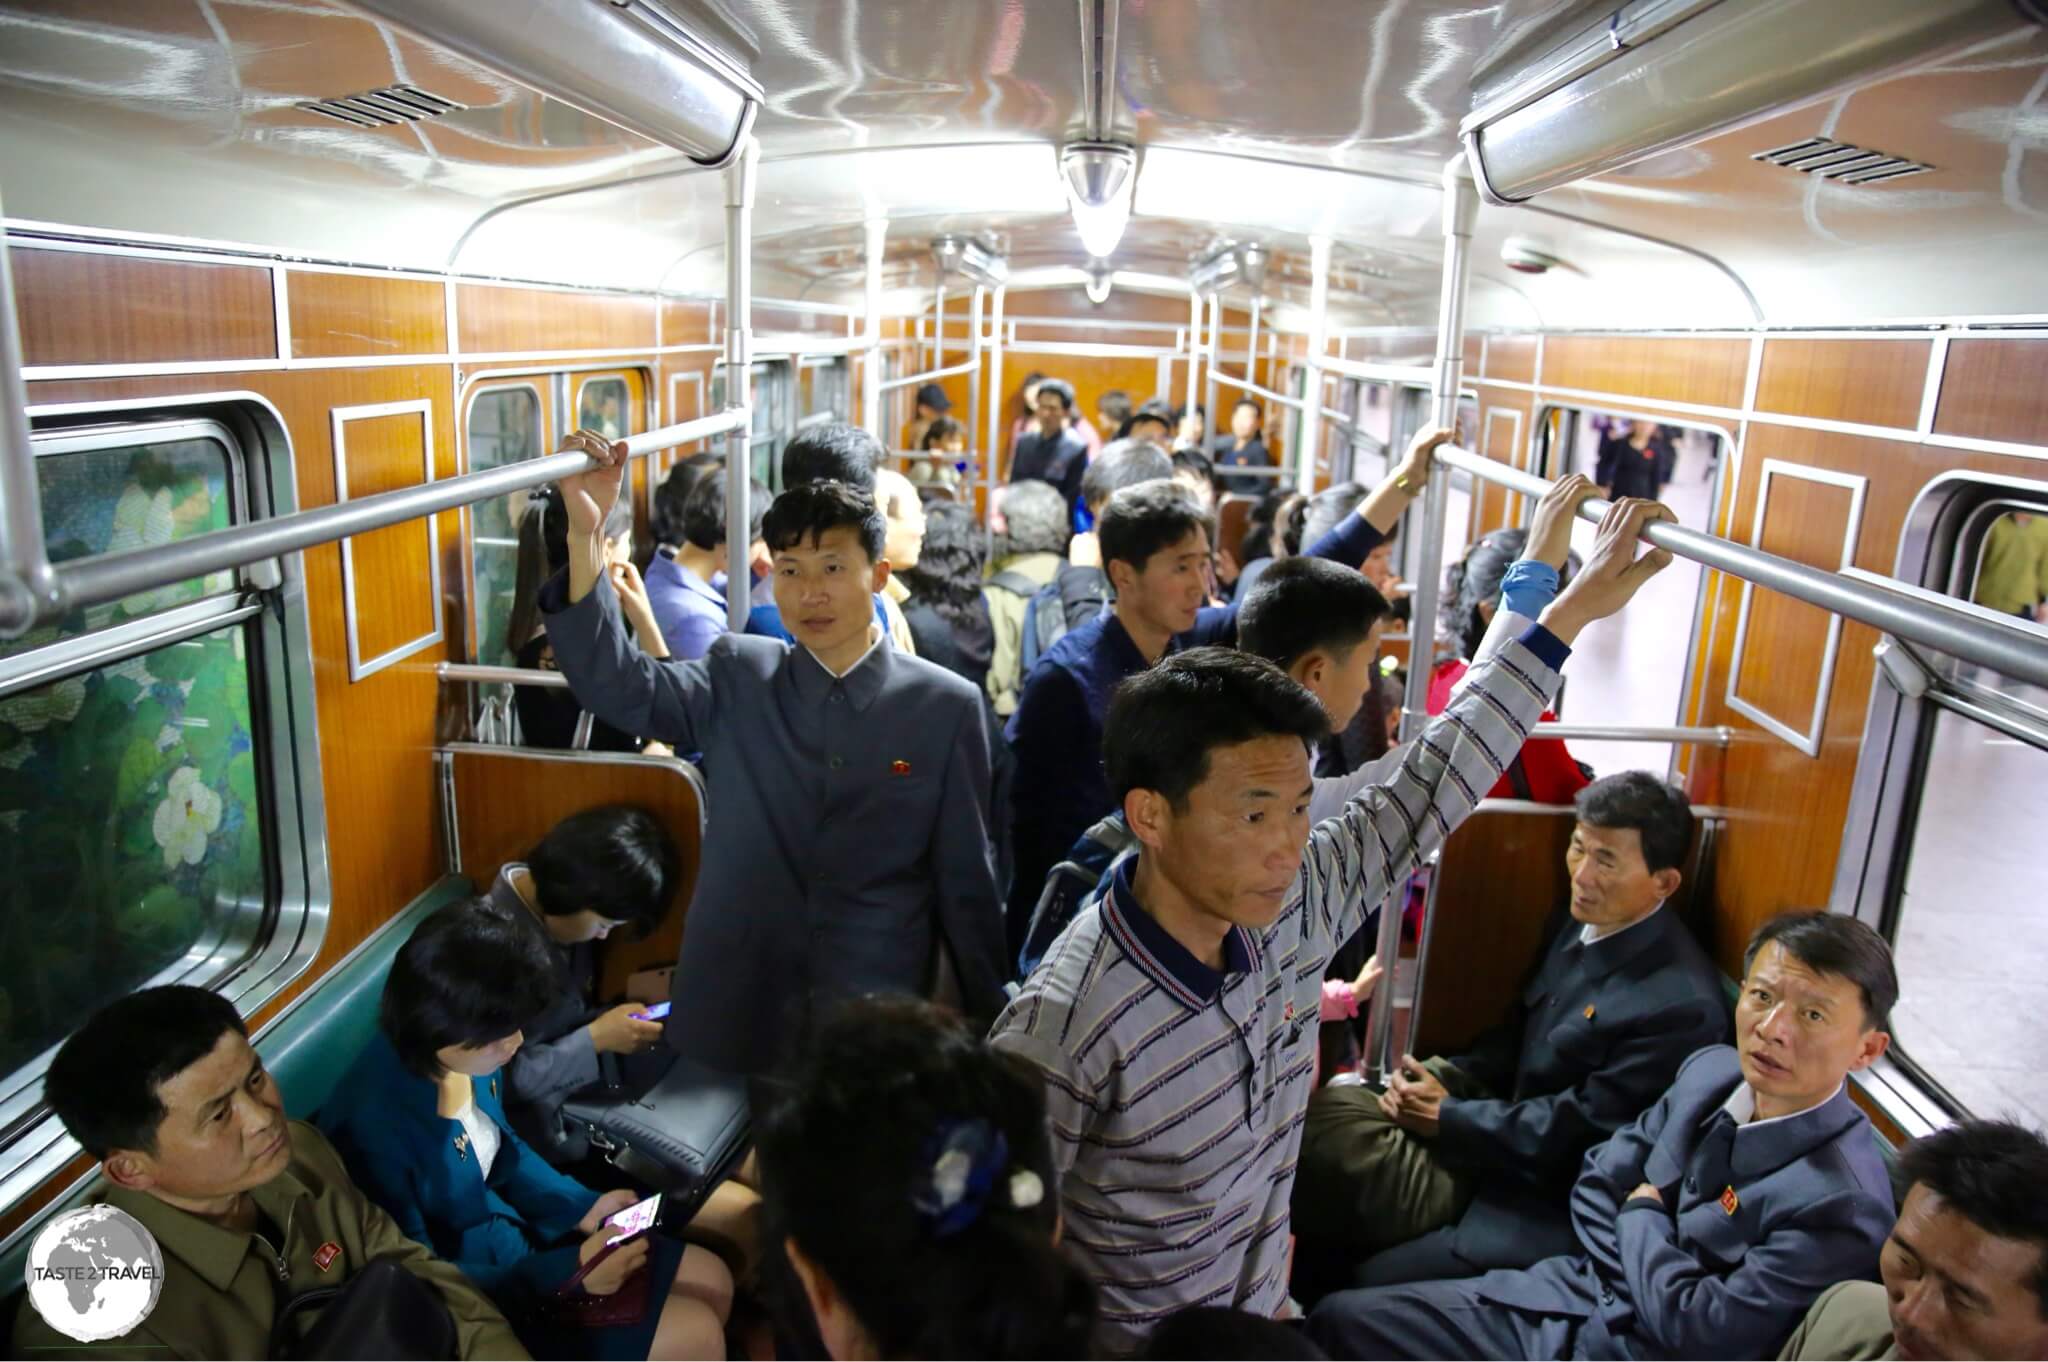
1159, 957
216, 1253
1611, 952
664, 567
1768, 1147
862, 684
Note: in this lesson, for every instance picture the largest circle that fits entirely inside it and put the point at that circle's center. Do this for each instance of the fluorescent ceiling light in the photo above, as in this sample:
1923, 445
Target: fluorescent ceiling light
1099, 178
965, 255
1098, 282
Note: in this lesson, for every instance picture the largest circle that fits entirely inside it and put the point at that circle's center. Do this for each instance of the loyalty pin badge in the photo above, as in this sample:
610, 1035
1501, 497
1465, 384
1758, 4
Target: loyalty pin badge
324, 1256
1729, 1201
1589, 1011
899, 767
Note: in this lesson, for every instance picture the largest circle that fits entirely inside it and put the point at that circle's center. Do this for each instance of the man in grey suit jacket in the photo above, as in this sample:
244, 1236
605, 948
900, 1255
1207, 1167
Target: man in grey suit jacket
847, 847
1466, 1163
1710, 1225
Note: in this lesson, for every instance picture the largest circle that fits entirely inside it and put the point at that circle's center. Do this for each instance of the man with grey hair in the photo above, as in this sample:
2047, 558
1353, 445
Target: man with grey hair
1035, 543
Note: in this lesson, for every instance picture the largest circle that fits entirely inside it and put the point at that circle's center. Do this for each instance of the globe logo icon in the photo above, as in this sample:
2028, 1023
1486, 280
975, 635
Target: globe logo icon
94, 1273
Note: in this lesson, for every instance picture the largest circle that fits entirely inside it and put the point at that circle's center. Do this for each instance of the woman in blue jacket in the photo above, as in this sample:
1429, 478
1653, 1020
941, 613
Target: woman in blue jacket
420, 1120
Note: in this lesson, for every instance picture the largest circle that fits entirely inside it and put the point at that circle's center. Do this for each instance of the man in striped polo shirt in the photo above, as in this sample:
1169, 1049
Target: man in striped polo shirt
1175, 1022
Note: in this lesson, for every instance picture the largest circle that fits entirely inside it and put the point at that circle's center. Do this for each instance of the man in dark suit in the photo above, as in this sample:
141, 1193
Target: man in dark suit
1710, 1225
1052, 452
847, 849
1465, 1163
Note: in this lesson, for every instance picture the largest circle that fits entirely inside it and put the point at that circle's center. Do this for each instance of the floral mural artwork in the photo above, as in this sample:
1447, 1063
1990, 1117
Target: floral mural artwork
130, 820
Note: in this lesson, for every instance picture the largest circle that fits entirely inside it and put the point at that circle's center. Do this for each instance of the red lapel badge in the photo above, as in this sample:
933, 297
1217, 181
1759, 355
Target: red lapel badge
900, 767
1288, 1015
1729, 1201
1589, 1012
324, 1257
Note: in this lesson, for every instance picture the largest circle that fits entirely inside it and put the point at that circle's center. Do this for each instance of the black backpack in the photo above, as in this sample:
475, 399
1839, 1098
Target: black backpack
1074, 883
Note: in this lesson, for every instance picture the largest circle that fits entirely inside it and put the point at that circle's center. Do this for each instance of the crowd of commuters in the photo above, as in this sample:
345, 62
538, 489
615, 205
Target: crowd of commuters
1143, 1145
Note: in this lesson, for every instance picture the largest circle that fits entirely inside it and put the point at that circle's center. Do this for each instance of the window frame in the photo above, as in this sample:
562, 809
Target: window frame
269, 603
471, 543
1946, 524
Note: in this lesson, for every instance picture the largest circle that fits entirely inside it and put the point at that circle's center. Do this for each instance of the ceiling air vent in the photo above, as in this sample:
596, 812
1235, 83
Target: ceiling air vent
385, 108
1832, 160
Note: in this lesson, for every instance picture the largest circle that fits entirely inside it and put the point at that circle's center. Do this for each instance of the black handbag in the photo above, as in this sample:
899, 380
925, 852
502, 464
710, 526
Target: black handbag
382, 1311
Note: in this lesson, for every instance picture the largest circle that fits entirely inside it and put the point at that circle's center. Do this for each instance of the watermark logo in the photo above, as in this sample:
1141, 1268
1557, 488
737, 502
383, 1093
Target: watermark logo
94, 1273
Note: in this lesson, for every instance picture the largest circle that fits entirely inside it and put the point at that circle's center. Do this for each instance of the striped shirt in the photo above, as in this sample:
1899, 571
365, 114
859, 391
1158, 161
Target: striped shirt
1177, 1092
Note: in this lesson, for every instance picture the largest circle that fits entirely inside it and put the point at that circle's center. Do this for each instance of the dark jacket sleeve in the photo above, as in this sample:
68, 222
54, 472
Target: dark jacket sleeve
548, 1199
1046, 737
615, 680
1083, 593
1611, 1171
1539, 1139
970, 917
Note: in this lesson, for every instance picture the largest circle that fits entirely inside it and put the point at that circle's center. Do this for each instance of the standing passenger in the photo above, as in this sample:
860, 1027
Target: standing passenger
686, 585
1051, 452
1175, 1021
1245, 447
848, 848
830, 452
1034, 550
946, 608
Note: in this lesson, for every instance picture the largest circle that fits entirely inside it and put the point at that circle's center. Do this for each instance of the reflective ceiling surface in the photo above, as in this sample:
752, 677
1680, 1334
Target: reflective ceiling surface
1271, 121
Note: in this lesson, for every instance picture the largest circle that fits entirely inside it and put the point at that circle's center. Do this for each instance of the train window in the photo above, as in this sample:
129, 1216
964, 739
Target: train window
1966, 1023
822, 390
773, 423
141, 767
1641, 679
601, 406
504, 428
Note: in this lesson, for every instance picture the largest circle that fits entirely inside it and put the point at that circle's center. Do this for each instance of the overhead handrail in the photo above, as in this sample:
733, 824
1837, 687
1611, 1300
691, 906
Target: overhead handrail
115, 576
477, 674
1716, 735
2009, 648
968, 365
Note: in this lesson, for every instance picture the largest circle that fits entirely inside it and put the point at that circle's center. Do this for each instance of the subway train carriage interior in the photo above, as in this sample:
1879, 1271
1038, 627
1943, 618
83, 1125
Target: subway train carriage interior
1380, 698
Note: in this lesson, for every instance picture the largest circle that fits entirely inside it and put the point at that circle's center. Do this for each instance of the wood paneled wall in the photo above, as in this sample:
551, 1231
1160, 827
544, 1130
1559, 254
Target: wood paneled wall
79, 307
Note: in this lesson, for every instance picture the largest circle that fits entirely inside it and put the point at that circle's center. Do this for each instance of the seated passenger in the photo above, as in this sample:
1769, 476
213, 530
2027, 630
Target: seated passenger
420, 1117
1966, 1267
849, 786
1175, 1020
1034, 548
596, 872
947, 614
686, 584
908, 1174
549, 717
1151, 422
1709, 1225
1465, 1163
1193, 470
163, 1089
934, 476
831, 451
902, 545
1051, 451
1155, 547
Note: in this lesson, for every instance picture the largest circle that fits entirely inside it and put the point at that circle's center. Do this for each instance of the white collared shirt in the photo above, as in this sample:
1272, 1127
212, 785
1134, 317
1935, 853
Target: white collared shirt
1590, 932
1741, 1105
874, 641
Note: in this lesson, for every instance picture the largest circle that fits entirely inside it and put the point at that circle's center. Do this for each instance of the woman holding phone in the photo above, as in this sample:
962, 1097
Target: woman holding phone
420, 1120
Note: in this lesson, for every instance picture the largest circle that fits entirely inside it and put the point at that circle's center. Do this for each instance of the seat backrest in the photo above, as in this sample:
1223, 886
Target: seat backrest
498, 802
1233, 519
1493, 892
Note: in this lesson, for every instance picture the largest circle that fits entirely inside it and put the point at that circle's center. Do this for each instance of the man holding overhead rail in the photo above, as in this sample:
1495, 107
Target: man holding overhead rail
1175, 1020
848, 845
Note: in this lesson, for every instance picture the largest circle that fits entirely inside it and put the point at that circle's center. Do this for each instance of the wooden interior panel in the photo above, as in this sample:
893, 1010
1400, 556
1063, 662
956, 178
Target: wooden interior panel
1709, 371
1803, 521
1512, 358
506, 799
493, 319
1500, 878
76, 307
390, 574
1992, 390
687, 321
334, 315
1872, 382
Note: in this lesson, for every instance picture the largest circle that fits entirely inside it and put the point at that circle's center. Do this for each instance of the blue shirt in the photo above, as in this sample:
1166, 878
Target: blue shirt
1056, 733
690, 611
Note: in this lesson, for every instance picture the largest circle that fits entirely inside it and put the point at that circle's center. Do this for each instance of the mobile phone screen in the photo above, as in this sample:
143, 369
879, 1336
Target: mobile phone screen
654, 1013
635, 1219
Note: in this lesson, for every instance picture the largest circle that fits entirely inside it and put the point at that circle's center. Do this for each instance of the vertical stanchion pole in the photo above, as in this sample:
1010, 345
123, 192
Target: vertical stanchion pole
871, 337
1461, 207
739, 359
28, 584
992, 450
1214, 353
974, 344
1194, 347
1312, 380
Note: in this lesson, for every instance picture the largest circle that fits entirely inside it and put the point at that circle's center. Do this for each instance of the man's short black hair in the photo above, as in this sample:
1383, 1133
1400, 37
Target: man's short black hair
1164, 721
1327, 509
103, 1083
1060, 388
674, 493
1122, 463
1114, 407
471, 974
1831, 943
831, 451
1152, 410
1196, 462
1140, 521
803, 514
1992, 1173
704, 513
941, 429
1302, 605
1656, 809
619, 861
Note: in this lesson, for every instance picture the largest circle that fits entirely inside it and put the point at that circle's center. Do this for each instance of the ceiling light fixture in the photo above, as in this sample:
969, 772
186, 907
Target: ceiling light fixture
966, 256
1099, 177
1217, 271
1098, 282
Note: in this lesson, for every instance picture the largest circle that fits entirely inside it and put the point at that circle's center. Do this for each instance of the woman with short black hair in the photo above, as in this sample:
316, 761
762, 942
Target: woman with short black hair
419, 1120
